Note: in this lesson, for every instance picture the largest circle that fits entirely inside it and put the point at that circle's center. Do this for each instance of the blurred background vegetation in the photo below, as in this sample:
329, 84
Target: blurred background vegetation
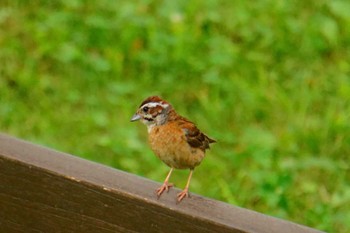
268, 79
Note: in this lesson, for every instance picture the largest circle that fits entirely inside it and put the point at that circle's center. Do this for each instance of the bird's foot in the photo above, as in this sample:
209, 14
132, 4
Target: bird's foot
165, 187
184, 193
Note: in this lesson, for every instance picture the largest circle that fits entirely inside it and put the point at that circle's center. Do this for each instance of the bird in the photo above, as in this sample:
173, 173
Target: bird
174, 139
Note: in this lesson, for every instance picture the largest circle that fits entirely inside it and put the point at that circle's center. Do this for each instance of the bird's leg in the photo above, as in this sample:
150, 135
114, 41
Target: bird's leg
184, 192
166, 185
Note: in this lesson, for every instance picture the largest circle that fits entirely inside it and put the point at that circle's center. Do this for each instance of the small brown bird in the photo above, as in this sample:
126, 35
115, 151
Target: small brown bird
173, 138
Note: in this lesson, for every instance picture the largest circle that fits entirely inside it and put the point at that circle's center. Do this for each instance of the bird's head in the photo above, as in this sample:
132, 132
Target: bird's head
153, 111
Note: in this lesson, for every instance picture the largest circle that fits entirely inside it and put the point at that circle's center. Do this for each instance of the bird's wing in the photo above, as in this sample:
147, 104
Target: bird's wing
194, 137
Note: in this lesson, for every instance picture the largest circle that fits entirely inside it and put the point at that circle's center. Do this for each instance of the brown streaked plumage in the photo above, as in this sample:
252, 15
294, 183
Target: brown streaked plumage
173, 138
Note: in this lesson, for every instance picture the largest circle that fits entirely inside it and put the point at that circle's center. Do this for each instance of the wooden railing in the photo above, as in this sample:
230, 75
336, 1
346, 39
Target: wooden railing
42, 190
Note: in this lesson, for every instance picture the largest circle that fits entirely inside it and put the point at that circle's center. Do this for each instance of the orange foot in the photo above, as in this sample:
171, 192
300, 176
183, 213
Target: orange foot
182, 195
165, 187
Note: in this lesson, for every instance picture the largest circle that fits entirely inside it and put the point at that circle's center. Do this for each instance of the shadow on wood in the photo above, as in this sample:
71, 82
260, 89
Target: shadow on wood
42, 190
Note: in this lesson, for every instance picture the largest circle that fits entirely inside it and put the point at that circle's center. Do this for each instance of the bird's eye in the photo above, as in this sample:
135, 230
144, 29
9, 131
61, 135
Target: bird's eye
145, 109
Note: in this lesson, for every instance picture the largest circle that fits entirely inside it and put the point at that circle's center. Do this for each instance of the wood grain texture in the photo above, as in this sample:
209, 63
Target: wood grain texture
42, 190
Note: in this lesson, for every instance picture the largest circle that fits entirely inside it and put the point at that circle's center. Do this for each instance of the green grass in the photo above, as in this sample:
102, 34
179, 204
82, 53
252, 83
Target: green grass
270, 80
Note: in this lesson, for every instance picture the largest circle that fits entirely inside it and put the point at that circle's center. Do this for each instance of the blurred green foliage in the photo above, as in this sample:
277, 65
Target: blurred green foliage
268, 79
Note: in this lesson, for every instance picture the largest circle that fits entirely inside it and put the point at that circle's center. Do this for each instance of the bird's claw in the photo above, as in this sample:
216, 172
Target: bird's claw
184, 193
165, 187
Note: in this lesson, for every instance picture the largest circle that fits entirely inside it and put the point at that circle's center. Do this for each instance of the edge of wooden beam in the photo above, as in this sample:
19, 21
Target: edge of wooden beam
128, 185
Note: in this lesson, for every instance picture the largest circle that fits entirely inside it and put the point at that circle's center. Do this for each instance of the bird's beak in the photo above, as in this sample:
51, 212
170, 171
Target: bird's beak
135, 117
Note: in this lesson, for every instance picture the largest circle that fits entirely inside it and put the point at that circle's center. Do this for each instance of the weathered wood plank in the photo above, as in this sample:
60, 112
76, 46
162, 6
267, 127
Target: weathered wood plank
42, 190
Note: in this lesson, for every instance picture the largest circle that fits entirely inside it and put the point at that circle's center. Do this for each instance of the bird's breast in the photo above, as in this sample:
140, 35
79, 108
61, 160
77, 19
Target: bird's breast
169, 144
